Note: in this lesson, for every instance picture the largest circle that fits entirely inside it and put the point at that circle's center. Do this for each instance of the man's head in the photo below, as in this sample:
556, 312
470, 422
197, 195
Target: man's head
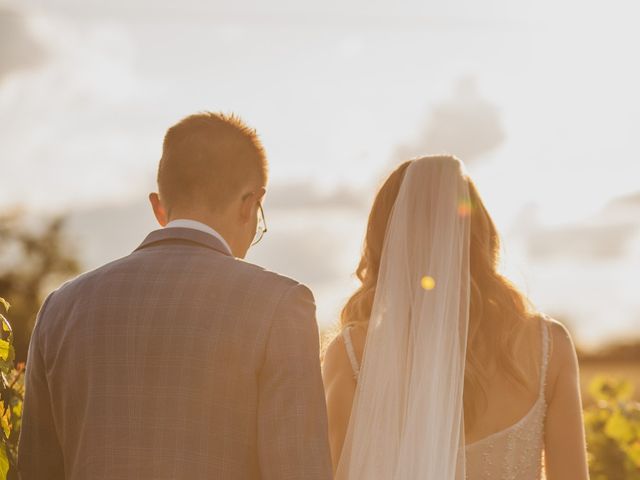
213, 169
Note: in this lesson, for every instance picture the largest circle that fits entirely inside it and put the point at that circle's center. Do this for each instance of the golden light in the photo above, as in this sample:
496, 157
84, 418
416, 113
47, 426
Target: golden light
428, 283
464, 208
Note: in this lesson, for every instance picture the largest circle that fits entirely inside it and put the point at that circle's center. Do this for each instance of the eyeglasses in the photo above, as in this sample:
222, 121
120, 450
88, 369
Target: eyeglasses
261, 229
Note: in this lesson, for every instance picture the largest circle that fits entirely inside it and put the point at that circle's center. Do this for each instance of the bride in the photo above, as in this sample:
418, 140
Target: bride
442, 370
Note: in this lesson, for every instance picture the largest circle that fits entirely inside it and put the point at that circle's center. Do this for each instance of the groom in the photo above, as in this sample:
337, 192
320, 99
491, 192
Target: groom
181, 361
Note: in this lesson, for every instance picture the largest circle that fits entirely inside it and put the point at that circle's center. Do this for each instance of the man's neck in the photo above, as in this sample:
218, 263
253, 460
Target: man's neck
198, 225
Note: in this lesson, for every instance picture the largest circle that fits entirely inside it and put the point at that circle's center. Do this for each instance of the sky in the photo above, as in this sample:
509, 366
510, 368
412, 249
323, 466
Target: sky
539, 100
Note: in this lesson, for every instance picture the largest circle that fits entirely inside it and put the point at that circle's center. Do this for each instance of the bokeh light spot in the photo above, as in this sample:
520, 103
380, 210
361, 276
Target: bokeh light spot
464, 208
428, 283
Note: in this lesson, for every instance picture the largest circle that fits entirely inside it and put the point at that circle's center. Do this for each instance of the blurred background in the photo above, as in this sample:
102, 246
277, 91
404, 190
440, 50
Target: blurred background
539, 99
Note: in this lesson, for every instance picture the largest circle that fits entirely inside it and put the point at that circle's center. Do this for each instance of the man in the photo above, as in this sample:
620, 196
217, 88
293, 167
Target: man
181, 361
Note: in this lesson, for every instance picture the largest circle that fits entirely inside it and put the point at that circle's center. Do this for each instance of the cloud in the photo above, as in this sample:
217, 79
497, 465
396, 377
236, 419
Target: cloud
104, 233
583, 242
305, 248
305, 195
626, 205
465, 125
19, 48
608, 235
77, 123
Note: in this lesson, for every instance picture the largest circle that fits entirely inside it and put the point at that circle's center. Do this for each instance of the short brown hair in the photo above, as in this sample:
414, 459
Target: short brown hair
208, 157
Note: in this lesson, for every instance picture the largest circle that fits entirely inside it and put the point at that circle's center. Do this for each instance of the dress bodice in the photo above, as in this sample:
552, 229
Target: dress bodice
513, 453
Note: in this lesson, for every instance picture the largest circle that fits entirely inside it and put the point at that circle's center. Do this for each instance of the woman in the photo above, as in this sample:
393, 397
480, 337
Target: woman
442, 370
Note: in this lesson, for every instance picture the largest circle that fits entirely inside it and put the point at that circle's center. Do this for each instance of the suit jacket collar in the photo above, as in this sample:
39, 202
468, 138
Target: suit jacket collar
184, 235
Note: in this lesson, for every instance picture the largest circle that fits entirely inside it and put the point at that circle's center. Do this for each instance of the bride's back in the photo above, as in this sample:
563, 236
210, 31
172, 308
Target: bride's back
506, 401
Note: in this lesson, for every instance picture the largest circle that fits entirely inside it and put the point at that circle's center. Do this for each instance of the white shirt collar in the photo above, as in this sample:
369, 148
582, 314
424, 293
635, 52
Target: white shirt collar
195, 225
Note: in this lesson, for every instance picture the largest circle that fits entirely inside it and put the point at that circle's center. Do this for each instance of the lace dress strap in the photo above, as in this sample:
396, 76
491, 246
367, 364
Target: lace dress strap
348, 345
545, 353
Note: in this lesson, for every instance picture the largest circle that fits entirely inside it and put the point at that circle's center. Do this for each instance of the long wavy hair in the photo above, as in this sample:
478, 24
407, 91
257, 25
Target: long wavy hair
497, 309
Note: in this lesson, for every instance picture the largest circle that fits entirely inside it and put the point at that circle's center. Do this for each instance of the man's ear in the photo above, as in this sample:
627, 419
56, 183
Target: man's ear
246, 207
158, 209
249, 204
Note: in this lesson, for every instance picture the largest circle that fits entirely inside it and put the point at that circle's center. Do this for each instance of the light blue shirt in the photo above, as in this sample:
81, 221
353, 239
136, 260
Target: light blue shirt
195, 225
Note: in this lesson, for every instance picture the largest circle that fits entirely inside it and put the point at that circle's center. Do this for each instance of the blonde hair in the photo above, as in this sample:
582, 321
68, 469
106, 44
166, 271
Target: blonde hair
497, 308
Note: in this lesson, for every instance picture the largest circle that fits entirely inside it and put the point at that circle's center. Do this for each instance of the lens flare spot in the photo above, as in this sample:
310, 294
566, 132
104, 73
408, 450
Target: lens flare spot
428, 283
464, 208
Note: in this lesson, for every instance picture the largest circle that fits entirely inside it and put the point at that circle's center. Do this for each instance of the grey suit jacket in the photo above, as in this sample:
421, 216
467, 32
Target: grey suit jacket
175, 362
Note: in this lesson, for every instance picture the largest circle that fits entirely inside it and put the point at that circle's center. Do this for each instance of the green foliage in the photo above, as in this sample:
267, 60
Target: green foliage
613, 431
34, 259
11, 397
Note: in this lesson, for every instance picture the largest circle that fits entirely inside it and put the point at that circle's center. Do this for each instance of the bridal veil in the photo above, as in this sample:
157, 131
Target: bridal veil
407, 418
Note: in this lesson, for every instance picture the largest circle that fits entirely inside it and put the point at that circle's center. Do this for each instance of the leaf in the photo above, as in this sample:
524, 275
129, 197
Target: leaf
4, 462
5, 421
597, 388
6, 304
610, 389
624, 390
5, 368
6, 326
619, 428
17, 410
6, 350
634, 453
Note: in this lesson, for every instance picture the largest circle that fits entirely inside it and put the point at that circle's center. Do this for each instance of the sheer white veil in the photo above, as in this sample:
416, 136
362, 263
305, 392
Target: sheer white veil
407, 417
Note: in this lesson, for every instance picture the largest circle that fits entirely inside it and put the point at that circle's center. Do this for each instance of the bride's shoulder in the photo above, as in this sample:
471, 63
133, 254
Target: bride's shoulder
336, 357
563, 360
335, 363
561, 341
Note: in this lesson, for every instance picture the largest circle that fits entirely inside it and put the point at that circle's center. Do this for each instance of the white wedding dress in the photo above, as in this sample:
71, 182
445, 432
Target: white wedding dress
515, 453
